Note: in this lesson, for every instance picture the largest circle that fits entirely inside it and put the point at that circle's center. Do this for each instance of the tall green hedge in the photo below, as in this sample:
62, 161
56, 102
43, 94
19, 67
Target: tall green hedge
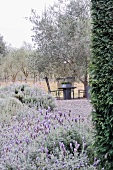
101, 80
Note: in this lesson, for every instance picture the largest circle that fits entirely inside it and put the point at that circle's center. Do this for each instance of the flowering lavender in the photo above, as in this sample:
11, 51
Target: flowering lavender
44, 139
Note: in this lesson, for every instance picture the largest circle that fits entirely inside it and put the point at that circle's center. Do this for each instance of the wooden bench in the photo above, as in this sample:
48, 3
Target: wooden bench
81, 92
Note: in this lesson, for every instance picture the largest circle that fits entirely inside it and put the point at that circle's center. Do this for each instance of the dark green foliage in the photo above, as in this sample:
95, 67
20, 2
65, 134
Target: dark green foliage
101, 79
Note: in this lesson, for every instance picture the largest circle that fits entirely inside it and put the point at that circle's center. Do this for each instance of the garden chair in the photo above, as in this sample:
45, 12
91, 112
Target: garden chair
57, 92
81, 92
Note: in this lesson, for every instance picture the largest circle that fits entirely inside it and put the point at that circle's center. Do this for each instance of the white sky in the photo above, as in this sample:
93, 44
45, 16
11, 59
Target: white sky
13, 27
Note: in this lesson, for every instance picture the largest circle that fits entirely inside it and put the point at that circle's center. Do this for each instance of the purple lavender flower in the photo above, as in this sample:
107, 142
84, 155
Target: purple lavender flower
96, 162
71, 147
62, 147
27, 140
76, 145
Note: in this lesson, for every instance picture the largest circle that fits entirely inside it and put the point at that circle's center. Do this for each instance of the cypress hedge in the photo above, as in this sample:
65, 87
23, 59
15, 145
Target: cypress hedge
101, 80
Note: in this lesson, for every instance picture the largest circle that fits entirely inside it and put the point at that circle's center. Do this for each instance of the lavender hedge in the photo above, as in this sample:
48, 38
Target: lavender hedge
44, 139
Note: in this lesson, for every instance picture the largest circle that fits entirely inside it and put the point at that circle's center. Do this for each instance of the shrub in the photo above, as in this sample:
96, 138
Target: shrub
9, 107
101, 80
33, 96
69, 137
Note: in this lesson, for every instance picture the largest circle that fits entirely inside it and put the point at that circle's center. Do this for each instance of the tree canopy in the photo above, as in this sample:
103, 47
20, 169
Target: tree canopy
62, 38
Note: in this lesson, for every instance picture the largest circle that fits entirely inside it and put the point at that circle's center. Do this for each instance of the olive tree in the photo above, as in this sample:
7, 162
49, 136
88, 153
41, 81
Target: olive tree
62, 37
15, 63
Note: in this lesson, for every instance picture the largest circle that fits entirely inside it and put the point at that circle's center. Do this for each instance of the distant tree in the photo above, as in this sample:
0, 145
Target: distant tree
11, 66
15, 62
2, 46
27, 46
23, 55
33, 64
3, 51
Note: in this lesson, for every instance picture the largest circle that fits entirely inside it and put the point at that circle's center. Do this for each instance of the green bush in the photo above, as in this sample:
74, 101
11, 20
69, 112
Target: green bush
101, 80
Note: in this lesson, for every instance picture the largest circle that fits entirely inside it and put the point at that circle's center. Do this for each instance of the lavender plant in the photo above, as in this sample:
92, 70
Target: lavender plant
36, 139
32, 96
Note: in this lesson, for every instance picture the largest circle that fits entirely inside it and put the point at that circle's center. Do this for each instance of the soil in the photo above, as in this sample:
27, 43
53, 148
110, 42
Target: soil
80, 107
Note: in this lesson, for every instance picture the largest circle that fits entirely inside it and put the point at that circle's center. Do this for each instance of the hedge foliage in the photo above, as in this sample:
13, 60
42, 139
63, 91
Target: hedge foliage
101, 80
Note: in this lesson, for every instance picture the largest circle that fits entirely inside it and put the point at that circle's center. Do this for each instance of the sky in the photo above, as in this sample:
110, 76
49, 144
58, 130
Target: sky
14, 28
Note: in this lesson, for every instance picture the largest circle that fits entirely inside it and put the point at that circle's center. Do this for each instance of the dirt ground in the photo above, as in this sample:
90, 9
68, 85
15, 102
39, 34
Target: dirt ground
80, 107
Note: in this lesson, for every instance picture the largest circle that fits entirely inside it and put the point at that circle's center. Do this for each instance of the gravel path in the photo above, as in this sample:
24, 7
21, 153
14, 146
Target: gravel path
80, 107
